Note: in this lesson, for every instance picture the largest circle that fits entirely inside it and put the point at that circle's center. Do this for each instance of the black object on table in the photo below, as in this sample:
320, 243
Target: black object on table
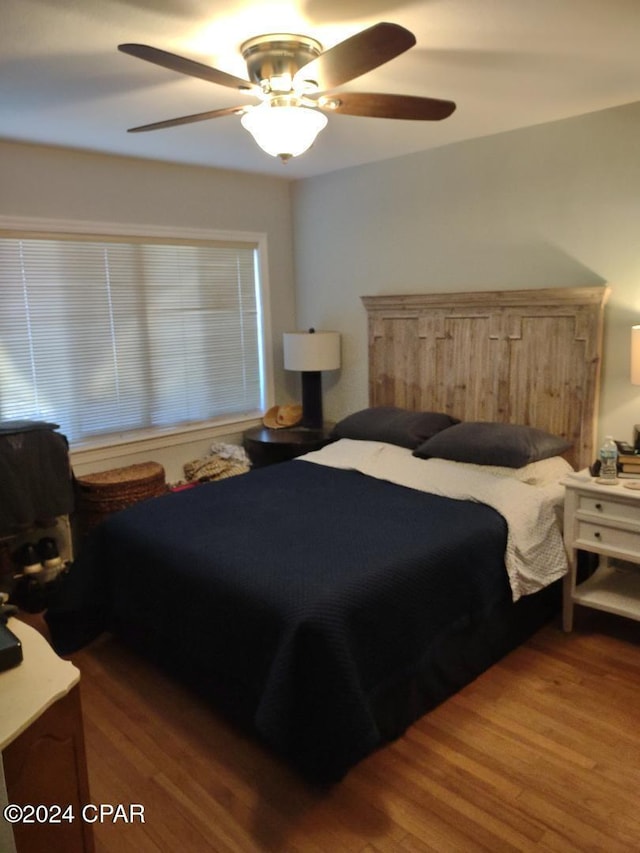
267, 446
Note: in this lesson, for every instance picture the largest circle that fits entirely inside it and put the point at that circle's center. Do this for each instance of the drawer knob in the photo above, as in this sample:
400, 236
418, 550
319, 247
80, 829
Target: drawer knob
599, 506
597, 534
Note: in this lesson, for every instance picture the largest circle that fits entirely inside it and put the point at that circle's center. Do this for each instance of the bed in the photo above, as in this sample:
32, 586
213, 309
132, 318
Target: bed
327, 602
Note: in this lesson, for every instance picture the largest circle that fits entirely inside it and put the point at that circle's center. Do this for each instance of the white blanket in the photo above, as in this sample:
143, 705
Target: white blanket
535, 554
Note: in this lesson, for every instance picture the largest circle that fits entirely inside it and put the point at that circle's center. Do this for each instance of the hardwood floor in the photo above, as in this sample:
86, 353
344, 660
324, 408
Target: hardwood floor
540, 753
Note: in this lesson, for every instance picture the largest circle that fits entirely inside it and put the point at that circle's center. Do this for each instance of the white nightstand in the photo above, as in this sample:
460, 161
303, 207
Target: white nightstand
603, 520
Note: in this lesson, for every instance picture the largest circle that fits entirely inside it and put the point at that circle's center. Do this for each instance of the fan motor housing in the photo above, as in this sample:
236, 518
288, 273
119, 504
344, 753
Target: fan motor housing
278, 55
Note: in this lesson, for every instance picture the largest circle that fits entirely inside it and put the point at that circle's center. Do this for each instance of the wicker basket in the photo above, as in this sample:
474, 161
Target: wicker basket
99, 495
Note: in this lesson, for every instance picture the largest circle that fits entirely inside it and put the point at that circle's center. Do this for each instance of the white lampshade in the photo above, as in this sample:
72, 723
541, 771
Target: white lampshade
283, 130
635, 355
311, 350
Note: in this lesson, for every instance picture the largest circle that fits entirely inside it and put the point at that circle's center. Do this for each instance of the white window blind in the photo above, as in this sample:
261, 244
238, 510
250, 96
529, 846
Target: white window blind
105, 336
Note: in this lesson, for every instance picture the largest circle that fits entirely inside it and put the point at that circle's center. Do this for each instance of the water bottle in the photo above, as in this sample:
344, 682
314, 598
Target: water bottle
608, 461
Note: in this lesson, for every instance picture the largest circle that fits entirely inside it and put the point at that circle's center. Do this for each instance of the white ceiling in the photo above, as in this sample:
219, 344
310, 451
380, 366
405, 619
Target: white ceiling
506, 63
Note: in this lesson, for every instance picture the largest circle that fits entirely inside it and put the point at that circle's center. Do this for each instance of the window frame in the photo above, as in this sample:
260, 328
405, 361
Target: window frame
152, 438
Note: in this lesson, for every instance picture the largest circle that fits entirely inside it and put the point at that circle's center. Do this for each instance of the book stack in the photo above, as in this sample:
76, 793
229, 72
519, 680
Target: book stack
629, 466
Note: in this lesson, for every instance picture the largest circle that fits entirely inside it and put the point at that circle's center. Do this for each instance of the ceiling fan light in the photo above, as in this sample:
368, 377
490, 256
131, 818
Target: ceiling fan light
284, 131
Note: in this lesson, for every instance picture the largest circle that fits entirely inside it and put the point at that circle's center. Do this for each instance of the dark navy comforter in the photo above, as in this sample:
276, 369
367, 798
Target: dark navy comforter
324, 609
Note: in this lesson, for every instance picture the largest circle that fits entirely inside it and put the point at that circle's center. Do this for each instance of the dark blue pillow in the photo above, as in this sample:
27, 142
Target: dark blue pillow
488, 443
393, 425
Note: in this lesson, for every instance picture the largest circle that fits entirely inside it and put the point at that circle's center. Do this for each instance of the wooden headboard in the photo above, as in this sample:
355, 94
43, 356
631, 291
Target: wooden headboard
521, 356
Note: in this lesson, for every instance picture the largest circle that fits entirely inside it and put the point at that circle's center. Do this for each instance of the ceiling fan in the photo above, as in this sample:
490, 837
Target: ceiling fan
294, 80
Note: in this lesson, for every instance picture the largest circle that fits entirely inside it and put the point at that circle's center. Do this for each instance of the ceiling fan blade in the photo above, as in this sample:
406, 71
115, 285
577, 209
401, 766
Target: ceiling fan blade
357, 55
187, 66
174, 122
387, 106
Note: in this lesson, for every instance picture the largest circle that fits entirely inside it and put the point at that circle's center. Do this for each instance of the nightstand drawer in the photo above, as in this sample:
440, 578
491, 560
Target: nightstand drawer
595, 536
607, 508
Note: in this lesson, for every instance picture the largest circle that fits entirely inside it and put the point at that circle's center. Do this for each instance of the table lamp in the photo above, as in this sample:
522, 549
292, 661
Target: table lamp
311, 352
635, 355
635, 372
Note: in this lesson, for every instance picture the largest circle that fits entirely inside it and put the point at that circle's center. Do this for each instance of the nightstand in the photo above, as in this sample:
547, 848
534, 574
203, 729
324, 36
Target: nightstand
603, 520
267, 446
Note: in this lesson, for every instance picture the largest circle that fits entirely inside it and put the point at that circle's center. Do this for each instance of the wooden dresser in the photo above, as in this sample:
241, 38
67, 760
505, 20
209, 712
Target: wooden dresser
43, 753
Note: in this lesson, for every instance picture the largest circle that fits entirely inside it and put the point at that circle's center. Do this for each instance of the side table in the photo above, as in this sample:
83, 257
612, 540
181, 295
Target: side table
267, 446
602, 520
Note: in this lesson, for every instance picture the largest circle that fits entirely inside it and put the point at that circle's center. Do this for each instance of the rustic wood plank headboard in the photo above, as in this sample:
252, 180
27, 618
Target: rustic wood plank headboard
521, 356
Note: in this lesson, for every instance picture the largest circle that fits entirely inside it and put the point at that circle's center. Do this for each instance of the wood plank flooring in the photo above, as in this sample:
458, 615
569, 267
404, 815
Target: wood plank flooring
540, 753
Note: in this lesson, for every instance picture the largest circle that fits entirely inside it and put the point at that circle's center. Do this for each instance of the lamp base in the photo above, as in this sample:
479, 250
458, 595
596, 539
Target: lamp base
312, 399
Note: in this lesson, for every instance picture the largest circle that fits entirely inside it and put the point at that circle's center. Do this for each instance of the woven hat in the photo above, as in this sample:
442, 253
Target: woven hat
281, 417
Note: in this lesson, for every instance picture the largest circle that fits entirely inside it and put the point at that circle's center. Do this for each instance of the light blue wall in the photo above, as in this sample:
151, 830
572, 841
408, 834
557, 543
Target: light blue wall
557, 205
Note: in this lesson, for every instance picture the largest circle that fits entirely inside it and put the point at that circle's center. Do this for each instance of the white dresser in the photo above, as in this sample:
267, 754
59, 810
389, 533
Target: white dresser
603, 520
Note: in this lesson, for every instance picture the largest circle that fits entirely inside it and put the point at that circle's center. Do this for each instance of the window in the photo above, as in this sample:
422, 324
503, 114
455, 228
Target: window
105, 335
